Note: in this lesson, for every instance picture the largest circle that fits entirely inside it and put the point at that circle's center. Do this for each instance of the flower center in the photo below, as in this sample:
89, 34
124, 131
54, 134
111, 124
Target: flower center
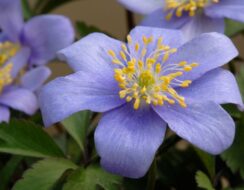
7, 50
146, 76
178, 7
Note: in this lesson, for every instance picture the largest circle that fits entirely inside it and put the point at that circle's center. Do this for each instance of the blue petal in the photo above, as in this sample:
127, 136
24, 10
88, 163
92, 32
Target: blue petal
20, 99
4, 114
46, 35
202, 24
127, 140
91, 53
218, 86
11, 20
172, 38
35, 78
19, 61
210, 51
205, 125
227, 9
142, 6
64, 96
158, 19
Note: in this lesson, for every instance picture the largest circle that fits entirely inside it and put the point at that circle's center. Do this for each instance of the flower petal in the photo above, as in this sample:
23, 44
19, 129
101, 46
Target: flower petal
158, 19
20, 99
127, 140
4, 114
46, 35
91, 53
202, 24
205, 124
80, 91
210, 51
227, 9
11, 19
35, 78
218, 86
19, 61
142, 6
172, 38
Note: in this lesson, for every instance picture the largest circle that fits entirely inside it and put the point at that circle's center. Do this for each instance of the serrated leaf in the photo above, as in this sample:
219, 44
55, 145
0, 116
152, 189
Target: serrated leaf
44, 174
203, 181
233, 27
91, 177
76, 126
24, 138
235, 154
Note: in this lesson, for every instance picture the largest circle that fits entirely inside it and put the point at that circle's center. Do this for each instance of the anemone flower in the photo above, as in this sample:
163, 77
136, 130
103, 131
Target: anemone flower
24, 49
154, 80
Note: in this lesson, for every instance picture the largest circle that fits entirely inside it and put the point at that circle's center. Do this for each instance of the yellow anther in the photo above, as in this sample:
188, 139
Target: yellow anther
116, 61
158, 68
137, 103
187, 68
137, 47
182, 63
166, 56
186, 83
123, 56
129, 39
160, 41
194, 64
112, 53
5, 76
124, 48
128, 98
148, 100
145, 40
143, 52
143, 90
122, 93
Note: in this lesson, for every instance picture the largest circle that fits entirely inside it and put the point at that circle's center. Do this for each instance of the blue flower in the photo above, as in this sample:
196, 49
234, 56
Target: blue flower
193, 17
141, 86
24, 49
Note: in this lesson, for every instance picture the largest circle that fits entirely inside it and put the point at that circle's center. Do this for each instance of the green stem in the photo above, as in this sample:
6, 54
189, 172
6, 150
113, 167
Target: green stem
26, 9
151, 182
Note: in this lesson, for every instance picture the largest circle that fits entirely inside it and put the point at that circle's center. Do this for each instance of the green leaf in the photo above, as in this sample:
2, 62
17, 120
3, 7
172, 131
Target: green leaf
24, 138
90, 178
240, 80
44, 174
235, 154
84, 29
233, 27
208, 161
8, 170
26, 9
77, 125
203, 181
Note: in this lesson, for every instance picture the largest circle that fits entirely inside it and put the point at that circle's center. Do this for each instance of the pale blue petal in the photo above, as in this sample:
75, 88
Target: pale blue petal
172, 38
205, 125
64, 96
35, 78
158, 19
218, 86
91, 53
202, 24
127, 140
11, 20
232, 9
20, 99
210, 51
142, 6
46, 35
4, 114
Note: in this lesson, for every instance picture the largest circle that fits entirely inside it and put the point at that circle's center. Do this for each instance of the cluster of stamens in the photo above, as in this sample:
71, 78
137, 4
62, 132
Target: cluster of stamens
7, 50
178, 7
147, 77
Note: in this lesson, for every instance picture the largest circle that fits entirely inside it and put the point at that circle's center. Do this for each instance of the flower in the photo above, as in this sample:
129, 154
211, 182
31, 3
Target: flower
141, 86
24, 49
193, 17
